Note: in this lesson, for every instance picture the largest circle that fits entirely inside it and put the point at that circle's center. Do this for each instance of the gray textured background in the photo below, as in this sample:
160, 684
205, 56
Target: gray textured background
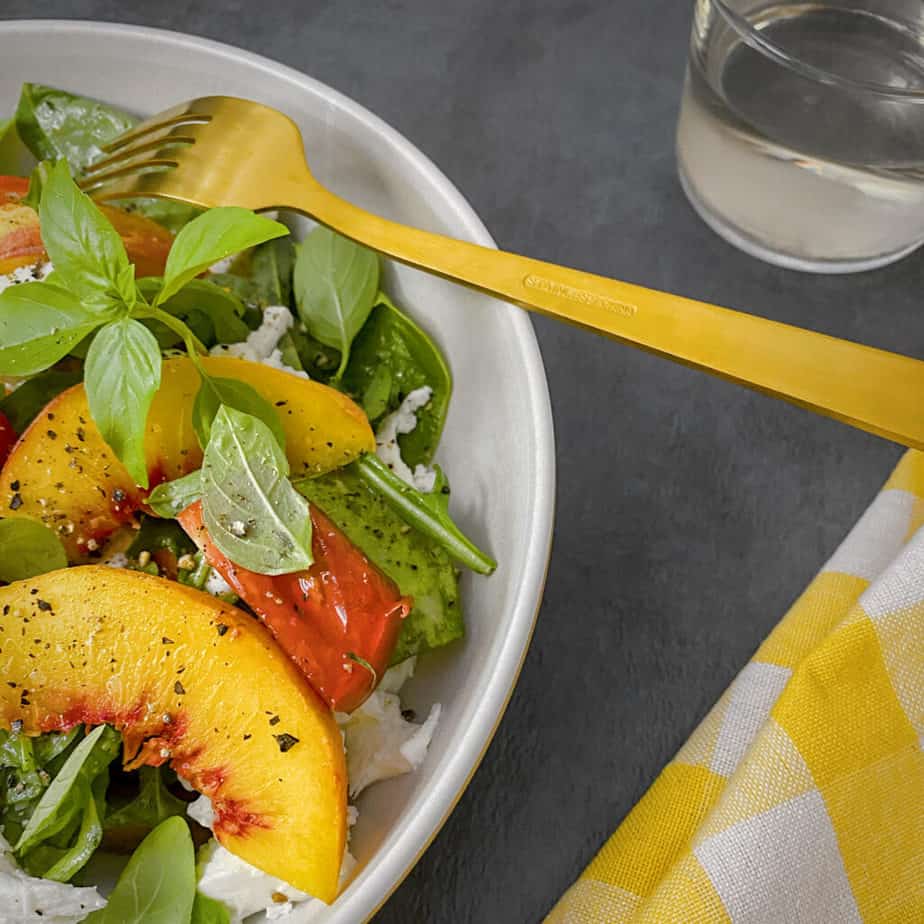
690, 512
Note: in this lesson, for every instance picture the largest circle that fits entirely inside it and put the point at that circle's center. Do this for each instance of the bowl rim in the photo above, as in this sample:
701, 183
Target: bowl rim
364, 896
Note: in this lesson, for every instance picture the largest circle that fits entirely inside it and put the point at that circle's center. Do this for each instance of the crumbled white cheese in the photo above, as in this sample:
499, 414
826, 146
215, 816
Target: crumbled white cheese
201, 810
245, 890
25, 898
380, 742
404, 420
261, 344
34, 273
216, 585
117, 560
222, 266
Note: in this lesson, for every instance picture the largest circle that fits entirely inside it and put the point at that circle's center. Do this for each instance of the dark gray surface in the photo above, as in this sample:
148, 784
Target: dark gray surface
690, 512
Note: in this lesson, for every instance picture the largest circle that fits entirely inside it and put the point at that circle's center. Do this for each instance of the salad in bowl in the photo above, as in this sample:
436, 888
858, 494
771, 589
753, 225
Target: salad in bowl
224, 543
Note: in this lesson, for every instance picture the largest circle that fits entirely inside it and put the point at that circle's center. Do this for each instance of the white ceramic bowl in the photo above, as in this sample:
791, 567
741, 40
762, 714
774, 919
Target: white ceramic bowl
498, 445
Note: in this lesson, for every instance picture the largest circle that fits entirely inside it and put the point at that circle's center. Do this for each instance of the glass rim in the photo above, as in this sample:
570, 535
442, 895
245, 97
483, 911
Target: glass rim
754, 37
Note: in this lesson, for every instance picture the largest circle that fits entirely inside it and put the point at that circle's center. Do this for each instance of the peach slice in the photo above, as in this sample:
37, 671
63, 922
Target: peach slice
194, 682
62, 472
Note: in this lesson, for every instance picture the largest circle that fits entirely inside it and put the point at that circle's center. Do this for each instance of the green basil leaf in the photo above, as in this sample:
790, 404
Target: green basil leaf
158, 885
28, 548
172, 497
390, 358
22, 406
216, 391
15, 157
249, 507
208, 911
121, 376
33, 197
214, 235
420, 567
427, 512
40, 323
271, 271
55, 124
335, 283
89, 836
87, 252
51, 814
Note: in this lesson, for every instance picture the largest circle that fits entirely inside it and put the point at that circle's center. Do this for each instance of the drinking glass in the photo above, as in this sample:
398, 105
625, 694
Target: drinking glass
801, 133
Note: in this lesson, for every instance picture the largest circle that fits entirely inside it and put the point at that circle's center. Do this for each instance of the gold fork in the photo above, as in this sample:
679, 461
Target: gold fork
220, 150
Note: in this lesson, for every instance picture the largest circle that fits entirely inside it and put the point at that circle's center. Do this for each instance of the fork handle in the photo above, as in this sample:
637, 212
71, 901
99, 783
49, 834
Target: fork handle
874, 390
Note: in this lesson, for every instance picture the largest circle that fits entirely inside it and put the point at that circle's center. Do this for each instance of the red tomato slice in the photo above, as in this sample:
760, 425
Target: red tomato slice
333, 620
7, 437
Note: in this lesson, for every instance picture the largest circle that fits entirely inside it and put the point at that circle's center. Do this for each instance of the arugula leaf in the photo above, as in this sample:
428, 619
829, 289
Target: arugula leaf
22, 406
427, 512
40, 323
171, 497
420, 567
158, 885
214, 235
57, 807
121, 376
249, 507
216, 391
208, 911
87, 252
390, 358
28, 548
56, 124
151, 806
335, 284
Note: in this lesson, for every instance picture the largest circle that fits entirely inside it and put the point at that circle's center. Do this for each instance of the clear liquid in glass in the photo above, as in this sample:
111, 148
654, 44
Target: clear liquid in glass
818, 165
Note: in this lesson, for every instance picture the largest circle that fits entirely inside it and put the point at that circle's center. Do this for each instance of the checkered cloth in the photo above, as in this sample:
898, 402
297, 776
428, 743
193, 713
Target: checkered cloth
800, 798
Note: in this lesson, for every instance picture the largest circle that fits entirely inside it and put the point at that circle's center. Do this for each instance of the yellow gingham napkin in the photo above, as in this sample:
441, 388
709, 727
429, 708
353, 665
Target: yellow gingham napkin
800, 798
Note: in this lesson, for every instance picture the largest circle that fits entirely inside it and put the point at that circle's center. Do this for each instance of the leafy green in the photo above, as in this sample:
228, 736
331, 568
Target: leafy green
427, 512
15, 157
150, 807
335, 282
171, 497
64, 800
156, 533
121, 376
249, 507
390, 358
214, 313
28, 548
216, 391
89, 835
40, 323
37, 180
208, 911
22, 406
214, 235
55, 124
158, 885
421, 568
271, 271
88, 255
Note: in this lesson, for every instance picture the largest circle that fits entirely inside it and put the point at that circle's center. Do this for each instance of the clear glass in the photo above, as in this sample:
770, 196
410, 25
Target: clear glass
801, 133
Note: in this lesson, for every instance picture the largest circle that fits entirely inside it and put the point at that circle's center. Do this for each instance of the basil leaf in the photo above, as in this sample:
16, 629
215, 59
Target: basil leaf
214, 235
390, 358
28, 548
199, 303
121, 376
172, 497
51, 814
89, 836
88, 255
37, 180
158, 885
420, 567
55, 124
335, 283
249, 507
216, 391
39, 324
22, 406
15, 158
208, 911
271, 271
427, 512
